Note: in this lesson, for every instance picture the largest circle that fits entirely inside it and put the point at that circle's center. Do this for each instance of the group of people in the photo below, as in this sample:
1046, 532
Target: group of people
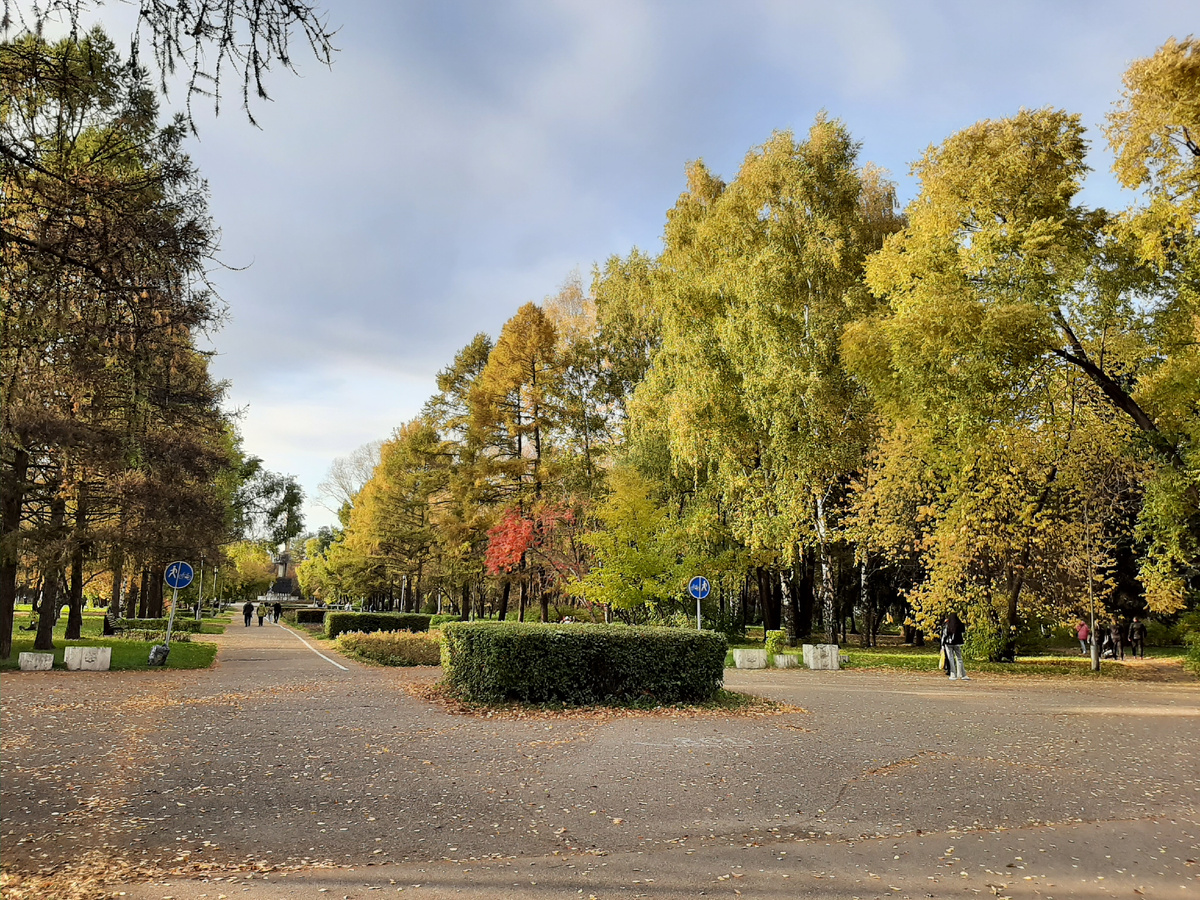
1112, 640
264, 610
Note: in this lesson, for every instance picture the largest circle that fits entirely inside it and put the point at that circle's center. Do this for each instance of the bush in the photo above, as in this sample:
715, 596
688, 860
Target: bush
338, 622
984, 640
188, 624
490, 662
1191, 661
393, 648
437, 621
777, 642
310, 616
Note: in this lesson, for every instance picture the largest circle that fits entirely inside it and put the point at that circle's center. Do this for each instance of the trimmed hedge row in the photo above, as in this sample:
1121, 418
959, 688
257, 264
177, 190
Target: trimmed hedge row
310, 616
440, 619
188, 624
337, 622
578, 664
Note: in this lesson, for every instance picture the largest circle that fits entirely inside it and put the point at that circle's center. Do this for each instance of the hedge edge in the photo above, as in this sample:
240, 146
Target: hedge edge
338, 622
580, 664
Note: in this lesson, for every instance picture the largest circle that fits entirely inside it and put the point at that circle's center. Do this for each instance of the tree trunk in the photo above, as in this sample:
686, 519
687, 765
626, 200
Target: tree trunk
75, 597
787, 604
867, 638
131, 598
143, 598
502, 612
824, 586
78, 550
804, 597
524, 597
543, 596
157, 609
12, 490
44, 640
52, 573
466, 602
764, 597
118, 578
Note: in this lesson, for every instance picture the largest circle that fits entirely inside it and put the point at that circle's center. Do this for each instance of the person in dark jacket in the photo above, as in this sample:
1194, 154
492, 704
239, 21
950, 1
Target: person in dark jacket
1118, 640
248, 611
278, 610
953, 634
1137, 638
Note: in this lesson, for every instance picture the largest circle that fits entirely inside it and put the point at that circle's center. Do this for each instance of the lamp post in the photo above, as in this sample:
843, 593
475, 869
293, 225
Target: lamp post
200, 591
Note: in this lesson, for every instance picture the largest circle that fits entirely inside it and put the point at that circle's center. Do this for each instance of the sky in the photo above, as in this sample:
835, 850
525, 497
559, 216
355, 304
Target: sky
460, 159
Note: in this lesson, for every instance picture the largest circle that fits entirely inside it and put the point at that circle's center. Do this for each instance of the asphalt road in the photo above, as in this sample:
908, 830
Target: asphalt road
280, 773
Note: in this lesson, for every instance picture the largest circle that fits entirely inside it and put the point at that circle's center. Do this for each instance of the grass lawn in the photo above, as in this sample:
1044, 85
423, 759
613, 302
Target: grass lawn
126, 654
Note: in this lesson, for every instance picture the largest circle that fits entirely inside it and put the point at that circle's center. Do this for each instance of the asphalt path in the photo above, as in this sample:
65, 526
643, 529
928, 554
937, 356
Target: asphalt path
283, 773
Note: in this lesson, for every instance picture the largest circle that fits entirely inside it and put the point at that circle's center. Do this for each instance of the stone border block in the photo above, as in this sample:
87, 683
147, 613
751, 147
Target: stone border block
89, 659
36, 662
822, 656
750, 659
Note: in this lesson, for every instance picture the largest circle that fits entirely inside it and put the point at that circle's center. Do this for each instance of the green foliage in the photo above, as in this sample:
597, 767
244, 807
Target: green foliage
393, 648
440, 619
1192, 661
338, 622
777, 642
307, 616
1160, 635
638, 550
491, 662
985, 638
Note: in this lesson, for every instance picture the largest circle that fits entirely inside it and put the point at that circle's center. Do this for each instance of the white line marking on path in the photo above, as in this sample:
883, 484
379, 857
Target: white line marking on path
312, 648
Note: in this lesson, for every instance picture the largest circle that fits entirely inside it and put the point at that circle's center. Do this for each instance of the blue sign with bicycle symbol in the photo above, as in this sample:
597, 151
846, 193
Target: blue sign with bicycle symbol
179, 575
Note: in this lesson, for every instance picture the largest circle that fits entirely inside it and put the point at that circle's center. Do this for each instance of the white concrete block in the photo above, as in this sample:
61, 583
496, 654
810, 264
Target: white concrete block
750, 659
786, 661
821, 656
89, 659
36, 662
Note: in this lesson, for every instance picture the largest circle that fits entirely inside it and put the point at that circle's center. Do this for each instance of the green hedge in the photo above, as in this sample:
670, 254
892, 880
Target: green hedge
338, 622
491, 662
310, 616
188, 624
440, 619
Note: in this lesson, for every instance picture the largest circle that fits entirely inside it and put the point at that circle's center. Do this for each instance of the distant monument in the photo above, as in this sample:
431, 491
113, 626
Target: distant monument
285, 588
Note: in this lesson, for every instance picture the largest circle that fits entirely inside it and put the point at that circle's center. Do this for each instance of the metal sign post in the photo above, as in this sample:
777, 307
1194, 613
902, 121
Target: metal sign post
179, 575
699, 587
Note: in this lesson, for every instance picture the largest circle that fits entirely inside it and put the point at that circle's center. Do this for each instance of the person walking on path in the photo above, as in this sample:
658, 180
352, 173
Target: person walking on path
1083, 633
262, 613
248, 611
1118, 640
278, 610
1137, 638
953, 633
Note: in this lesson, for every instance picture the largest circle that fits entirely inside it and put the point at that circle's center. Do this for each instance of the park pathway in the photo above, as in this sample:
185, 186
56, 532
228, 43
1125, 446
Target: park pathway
278, 774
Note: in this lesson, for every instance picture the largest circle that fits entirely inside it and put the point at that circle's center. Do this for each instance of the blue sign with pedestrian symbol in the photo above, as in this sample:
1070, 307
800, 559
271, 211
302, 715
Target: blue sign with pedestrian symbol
699, 587
179, 575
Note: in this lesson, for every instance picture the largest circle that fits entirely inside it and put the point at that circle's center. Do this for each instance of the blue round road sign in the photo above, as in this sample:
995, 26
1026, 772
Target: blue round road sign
179, 575
698, 587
